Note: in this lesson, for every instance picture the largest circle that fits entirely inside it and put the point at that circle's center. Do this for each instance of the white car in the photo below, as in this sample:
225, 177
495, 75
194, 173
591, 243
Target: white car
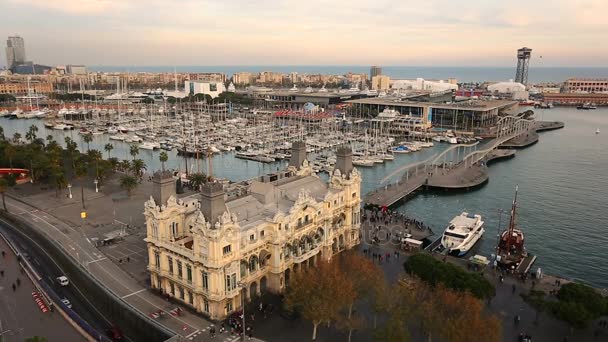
67, 302
63, 281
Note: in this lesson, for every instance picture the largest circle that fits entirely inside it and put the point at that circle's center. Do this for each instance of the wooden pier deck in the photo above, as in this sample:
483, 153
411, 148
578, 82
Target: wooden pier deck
393, 193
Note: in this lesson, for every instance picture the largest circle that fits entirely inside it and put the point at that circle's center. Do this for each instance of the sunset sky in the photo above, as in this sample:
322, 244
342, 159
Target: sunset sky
311, 32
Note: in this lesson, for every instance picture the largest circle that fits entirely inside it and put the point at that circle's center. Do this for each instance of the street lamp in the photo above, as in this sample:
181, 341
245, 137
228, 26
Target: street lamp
243, 287
96, 182
70, 190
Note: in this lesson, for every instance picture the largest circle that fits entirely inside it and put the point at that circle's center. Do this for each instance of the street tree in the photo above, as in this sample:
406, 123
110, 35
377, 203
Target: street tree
108, 148
16, 137
163, 157
138, 166
3, 190
128, 183
87, 139
31, 133
319, 293
81, 173
9, 152
197, 180
133, 151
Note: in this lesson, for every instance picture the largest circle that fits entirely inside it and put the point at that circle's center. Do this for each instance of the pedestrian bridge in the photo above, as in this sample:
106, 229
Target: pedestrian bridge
458, 167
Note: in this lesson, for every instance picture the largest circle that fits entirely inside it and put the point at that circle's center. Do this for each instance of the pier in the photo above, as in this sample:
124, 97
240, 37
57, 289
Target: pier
461, 166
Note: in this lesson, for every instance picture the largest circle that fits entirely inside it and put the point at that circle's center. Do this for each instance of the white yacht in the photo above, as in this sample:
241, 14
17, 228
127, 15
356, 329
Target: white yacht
462, 233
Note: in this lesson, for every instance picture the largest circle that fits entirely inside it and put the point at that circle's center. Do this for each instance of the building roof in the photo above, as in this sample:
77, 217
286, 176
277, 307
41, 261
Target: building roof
480, 105
266, 199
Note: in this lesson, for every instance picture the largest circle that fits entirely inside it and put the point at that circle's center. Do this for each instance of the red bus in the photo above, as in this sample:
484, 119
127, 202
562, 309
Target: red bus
23, 175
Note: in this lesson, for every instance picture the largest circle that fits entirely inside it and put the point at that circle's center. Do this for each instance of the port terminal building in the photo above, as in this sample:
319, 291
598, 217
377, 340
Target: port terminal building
472, 115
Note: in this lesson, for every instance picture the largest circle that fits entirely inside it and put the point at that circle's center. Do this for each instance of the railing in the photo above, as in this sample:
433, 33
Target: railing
306, 255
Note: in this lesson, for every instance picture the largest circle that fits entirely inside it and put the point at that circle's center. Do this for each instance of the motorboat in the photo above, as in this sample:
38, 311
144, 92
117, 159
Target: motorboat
400, 149
586, 106
597, 131
148, 145
462, 233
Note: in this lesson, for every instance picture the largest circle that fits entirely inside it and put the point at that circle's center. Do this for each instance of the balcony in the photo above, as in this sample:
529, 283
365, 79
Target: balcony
305, 256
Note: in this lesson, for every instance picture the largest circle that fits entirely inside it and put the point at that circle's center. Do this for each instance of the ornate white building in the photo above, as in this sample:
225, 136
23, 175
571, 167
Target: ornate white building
211, 248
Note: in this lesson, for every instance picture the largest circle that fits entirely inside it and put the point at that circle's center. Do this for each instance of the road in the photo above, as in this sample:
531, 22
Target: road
121, 284
20, 316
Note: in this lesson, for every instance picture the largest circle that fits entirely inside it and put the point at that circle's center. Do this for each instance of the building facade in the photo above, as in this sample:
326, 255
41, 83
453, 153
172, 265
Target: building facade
17, 88
243, 78
210, 251
15, 51
586, 85
76, 69
214, 89
381, 82
375, 71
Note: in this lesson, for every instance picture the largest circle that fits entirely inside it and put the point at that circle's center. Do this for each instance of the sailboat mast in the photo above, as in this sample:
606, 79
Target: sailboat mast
512, 220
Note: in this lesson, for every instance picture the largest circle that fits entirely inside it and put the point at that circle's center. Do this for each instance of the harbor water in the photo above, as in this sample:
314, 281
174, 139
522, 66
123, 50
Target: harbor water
563, 189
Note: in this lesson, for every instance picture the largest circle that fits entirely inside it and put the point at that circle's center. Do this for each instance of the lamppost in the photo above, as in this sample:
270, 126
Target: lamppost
96, 182
69, 190
243, 287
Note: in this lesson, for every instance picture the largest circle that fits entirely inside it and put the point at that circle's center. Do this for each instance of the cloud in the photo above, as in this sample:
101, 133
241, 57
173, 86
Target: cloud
305, 32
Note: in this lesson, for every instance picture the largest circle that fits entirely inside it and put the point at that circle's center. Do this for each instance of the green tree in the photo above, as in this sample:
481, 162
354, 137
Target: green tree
319, 293
87, 139
16, 137
3, 190
137, 167
128, 183
9, 152
133, 151
72, 149
163, 157
108, 148
49, 139
95, 156
197, 180
81, 173
31, 133
57, 178
2, 137
536, 299
436, 272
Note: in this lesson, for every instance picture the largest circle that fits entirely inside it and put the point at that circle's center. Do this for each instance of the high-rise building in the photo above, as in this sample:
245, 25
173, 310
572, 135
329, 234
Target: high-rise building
375, 71
15, 51
523, 62
381, 82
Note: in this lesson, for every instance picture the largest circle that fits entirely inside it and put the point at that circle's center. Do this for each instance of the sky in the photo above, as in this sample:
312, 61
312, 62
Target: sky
308, 32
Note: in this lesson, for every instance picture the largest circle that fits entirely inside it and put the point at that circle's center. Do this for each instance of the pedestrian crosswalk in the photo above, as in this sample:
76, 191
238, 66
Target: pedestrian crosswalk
220, 337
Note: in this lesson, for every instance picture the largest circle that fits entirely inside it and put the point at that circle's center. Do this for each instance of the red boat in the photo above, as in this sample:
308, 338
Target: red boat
527, 103
23, 175
511, 251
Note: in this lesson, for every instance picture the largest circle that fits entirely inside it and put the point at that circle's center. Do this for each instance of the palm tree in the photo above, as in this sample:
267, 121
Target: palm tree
128, 182
57, 178
95, 155
163, 157
3, 189
10, 152
87, 139
109, 147
16, 137
31, 134
197, 180
49, 138
138, 166
1, 133
81, 172
133, 151
125, 165
72, 148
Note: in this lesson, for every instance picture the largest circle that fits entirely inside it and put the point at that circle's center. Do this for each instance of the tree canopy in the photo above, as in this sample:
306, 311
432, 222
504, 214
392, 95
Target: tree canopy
436, 272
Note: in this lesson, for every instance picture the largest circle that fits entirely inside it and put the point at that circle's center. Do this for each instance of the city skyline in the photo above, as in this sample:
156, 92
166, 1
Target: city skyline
433, 33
